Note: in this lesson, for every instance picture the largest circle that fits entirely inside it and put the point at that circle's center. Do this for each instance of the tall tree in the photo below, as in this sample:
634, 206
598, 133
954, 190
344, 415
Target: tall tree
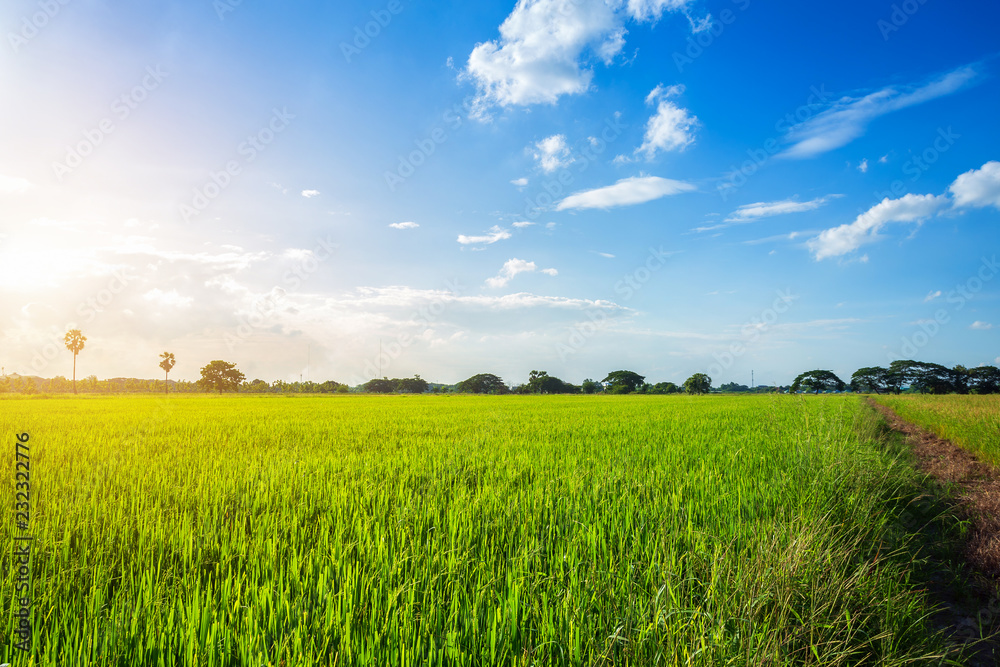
699, 383
623, 382
74, 343
484, 383
221, 376
167, 362
870, 379
818, 381
985, 380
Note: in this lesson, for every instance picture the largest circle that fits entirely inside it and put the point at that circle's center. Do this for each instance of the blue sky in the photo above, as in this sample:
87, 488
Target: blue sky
576, 186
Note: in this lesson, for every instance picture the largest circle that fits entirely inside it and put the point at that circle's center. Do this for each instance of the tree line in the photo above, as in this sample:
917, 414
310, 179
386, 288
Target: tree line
223, 376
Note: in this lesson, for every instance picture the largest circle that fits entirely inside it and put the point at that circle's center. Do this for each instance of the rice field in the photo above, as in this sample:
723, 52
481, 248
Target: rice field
461, 530
972, 422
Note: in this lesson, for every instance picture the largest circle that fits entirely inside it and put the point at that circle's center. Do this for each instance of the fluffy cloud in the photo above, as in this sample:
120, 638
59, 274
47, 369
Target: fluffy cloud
520, 182
848, 118
849, 237
309, 194
545, 47
981, 326
497, 233
626, 192
978, 187
511, 268
671, 128
863, 166
404, 225
552, 153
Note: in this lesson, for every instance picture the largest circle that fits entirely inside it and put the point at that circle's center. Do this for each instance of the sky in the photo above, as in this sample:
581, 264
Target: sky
574, 186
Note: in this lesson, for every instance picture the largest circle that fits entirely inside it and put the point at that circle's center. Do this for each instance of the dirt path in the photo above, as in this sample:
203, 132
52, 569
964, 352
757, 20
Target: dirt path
976, 487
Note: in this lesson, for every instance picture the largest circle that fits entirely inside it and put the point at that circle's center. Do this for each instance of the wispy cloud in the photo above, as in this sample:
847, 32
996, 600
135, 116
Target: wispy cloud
751, 212
934, 294
981, 326
976, 188
511, 268
496, 233
404, 225
863, 166
626, 192
13, 186
309, 194
849, 118
522, 224
520, 182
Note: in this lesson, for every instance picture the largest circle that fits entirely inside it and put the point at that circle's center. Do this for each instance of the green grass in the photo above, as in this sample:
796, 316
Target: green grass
972, 422
466, 531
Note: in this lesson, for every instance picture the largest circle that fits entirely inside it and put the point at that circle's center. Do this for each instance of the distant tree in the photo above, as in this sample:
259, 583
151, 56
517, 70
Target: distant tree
590, 387
540, 382
985, 380
414, 385
818, 381
872, 379
379, 386
484, 383
732, 387
167, 362
74, 340
959, 378
330, 387
699, 383
623, 382
665, 388
220, 376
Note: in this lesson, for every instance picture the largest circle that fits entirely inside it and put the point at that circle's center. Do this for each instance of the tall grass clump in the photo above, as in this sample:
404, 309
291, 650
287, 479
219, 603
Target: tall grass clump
972, 422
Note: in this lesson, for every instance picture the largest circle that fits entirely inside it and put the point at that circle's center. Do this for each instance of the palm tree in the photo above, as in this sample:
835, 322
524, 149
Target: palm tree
74, 343
167, 363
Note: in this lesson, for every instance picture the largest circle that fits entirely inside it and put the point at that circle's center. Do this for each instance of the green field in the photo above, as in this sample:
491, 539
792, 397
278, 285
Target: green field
456, 530
972, 422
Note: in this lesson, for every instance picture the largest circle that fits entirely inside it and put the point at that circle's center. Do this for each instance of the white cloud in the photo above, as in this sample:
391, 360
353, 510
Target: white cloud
520, 182
884, 159
13, 186
309, 194
863, 166
750, 212
497, 233
981, 326
626, 192
934, 294
546, 46
404, 225
169, 299
552, 153
848, 118
606, 255
511, 268
522, 224
671, 127
978, 187
849, 237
